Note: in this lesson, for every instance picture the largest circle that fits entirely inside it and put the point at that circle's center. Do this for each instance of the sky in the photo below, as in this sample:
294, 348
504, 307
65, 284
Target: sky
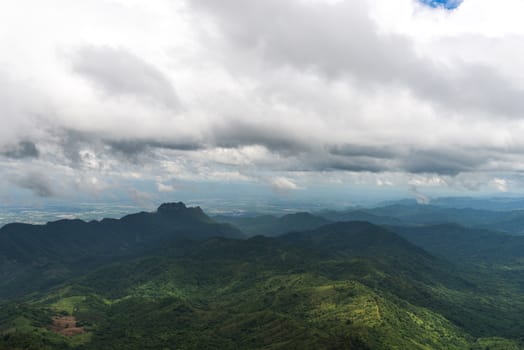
145, 101
448, 4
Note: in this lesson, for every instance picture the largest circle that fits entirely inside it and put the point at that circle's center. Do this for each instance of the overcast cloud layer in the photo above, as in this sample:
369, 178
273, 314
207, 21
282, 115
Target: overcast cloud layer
98, 97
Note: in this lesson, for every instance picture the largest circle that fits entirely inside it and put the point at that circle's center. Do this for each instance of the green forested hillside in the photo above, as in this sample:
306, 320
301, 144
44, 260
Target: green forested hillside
33, 257
341, 286
466, 245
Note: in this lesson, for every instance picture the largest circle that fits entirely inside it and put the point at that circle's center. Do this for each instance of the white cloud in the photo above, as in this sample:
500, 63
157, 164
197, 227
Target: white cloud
383, 182
283, 185
164, 188
500, 185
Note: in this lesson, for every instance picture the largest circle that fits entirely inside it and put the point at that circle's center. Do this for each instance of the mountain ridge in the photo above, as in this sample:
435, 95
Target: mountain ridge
64, 247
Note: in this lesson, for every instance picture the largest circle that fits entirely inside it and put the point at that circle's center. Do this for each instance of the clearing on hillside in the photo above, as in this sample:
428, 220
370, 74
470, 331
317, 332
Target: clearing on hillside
66, 325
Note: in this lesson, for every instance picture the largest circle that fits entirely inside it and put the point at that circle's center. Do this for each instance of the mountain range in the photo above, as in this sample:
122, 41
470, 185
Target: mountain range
179, 279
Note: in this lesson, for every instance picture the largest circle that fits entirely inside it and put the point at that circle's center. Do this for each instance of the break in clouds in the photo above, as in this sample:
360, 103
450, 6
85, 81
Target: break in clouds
98, 96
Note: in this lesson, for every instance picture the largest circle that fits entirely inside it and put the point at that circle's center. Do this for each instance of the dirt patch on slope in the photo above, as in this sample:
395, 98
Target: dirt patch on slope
66, 325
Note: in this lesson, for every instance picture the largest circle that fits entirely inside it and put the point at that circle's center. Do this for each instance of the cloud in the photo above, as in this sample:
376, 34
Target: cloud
500, 185
24, 149
419, 197
379, 152
164, 188
38, 184
277, 93
134, 147
441, 161
86, 148
383, 182
283, 185
341, 42
141, 198
238, 132
118, 72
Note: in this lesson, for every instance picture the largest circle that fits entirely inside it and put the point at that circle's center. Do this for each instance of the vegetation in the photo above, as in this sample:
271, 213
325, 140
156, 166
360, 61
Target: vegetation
348, 285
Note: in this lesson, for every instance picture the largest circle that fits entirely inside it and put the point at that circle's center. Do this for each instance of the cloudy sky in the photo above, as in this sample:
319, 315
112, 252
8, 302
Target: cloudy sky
135, 100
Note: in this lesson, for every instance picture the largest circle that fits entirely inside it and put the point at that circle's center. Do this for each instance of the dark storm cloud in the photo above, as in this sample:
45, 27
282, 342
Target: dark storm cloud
118, 72
139, 150
244, 133
353, 165
407, 159
134, 147
71, 142
444, 162
288, 151
354, 150
24, 149
36, 183
340, 41
74, 143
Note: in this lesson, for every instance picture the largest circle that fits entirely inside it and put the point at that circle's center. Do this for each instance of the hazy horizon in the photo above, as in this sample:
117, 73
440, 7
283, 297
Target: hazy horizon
278, 206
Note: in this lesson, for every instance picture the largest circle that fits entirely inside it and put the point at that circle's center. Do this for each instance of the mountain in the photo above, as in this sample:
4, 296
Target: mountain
359, 215
349, 285
510, 222
408, 213
482, 203
47, 254
269, 225
463, 244
429, 214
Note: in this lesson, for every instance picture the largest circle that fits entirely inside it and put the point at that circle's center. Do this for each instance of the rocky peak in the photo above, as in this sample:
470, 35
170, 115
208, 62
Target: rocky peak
168, 208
